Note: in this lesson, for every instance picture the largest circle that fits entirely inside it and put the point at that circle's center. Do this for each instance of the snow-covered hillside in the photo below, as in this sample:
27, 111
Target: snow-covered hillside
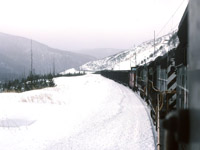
81, 113
141, 54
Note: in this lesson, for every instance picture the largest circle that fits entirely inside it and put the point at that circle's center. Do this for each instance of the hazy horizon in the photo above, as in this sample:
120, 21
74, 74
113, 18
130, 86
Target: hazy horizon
90, 24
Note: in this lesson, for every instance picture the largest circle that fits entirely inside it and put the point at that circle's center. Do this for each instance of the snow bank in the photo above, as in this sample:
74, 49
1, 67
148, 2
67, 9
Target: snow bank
71, 71
86, 112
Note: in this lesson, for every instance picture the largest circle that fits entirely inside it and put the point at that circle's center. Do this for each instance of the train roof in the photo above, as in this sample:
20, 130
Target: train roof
183, 28
181, 51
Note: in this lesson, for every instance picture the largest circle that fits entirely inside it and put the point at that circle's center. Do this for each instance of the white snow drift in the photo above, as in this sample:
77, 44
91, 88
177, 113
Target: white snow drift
81, 113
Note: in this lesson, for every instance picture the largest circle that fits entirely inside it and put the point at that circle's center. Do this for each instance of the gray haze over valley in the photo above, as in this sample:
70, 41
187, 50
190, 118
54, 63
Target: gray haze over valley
15, 58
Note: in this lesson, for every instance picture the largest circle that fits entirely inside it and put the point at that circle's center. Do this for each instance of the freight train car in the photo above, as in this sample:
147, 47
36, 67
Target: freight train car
118, 76
162, 83
182, 63
132, 78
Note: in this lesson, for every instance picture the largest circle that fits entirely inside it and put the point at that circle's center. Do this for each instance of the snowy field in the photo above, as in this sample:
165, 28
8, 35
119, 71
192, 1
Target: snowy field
81, 113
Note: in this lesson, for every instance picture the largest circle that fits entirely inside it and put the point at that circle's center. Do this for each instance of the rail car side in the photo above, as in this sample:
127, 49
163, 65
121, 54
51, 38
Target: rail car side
162, 83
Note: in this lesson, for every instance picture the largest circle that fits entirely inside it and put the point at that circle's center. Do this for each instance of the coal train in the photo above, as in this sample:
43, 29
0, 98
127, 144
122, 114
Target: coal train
162, 83
165, 77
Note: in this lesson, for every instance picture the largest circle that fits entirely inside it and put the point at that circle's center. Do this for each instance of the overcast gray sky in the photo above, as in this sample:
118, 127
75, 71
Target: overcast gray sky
88, 24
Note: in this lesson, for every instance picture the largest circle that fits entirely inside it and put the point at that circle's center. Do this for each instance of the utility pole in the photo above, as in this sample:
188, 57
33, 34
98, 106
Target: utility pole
24, 74
53, 66
135, 59
154, 44
31, 60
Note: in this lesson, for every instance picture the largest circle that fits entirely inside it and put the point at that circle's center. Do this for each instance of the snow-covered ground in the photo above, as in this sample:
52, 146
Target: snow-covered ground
81, 113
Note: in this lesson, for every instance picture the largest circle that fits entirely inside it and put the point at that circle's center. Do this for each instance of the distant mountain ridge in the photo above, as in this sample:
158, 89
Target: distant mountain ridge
15, 57
139, 55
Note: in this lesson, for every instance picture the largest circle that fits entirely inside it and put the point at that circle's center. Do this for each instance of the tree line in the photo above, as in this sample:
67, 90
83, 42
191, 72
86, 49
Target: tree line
33, 82
29, 83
